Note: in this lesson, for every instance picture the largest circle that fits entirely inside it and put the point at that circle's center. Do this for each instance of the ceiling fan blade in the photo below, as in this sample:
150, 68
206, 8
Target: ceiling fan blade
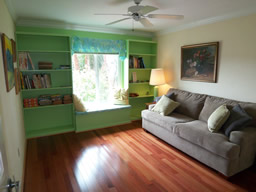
111, 14
147, 9
117, 21
145, 22
117, 2
165, 16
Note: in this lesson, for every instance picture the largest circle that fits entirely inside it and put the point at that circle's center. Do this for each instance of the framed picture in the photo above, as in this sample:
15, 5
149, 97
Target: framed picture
199, 62
14, 50
17, 80
8, 62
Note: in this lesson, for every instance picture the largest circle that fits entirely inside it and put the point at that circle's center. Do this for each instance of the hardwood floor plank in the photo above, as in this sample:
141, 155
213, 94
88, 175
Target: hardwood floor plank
121, 158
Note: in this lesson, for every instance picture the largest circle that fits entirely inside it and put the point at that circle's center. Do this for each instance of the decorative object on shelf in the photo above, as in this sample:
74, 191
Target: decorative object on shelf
157, 78
121, 97
8, 62
17, 81
44, 65
133, 94
25, 61
199, 62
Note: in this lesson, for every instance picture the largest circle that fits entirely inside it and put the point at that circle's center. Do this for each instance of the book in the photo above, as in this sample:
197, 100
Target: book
22, 81
47, 79
30, 63
134, 77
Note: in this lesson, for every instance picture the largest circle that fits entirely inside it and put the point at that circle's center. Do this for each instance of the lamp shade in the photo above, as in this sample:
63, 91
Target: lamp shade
157, 77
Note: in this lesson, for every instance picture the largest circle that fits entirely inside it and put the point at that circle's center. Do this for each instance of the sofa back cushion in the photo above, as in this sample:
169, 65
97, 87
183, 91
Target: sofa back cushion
212, 103
191, 104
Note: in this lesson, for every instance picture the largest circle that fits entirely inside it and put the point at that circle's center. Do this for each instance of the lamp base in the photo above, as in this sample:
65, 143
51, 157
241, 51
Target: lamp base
155, 92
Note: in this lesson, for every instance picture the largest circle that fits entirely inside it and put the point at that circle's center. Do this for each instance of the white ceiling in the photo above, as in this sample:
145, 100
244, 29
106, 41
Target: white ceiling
81, 12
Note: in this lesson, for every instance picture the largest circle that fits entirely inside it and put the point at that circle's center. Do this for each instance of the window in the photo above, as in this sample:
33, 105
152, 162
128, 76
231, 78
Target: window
94, 78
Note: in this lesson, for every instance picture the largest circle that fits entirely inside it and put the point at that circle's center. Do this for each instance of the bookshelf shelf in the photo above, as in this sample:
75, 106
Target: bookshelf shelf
43, 51
139, 69
46, 89
141, 96
144, 83
48, 106
45, 70
142, 54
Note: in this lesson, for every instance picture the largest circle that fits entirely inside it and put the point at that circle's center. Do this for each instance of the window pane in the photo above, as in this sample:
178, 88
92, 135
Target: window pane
94, 77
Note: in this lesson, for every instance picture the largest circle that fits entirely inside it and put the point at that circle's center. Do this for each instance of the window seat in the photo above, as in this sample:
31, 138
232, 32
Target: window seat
105, 117
104, 108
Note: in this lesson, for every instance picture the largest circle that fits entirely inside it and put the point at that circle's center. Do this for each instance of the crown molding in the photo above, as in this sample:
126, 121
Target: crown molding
207, 21
11, 9
60, 25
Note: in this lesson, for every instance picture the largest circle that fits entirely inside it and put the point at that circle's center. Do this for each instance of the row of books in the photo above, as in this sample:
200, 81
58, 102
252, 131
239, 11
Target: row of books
54, 99
136, 62
25, 61
37, 81
44, 100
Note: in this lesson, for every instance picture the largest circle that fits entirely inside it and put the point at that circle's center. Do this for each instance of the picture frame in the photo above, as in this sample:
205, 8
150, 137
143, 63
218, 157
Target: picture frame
17, 81
14, 51
199, 62
8, 62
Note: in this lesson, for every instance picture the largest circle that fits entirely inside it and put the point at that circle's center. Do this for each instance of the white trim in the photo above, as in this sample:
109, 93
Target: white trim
11, 9
52, 24
206, 21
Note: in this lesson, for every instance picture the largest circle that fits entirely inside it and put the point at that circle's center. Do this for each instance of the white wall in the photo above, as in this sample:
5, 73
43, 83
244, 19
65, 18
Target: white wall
236, 76
11, 108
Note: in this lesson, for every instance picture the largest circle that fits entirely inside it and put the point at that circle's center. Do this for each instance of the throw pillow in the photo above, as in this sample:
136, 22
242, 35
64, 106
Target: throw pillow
218, 118
169, 95
121, 97
165, 106
79, 106
237, 120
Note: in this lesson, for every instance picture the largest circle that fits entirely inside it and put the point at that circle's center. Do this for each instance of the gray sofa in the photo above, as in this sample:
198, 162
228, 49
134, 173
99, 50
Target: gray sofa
186, 129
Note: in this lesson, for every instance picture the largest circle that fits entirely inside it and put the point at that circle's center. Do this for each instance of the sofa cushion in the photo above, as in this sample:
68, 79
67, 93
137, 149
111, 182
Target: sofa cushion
237, 120
165, 106
191, 104
212, 103
166, 122
197, 133
218, 118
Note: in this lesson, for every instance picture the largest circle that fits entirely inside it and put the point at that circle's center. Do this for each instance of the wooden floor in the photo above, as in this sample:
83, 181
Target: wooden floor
122, 158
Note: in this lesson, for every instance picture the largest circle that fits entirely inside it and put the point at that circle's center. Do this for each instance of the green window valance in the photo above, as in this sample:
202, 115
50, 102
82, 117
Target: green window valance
92, 45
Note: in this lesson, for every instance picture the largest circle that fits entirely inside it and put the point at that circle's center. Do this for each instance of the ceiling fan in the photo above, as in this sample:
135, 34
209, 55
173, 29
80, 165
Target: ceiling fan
141, 14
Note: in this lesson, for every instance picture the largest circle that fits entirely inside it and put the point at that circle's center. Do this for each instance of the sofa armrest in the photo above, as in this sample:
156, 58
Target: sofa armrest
150, 107
246, 138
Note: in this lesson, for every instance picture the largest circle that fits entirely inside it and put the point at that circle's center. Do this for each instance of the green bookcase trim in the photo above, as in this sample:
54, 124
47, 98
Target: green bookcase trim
144, 83
43, 51
141, 96
45, 70
140, 69
41, 34
46, 89
47, 106
141, 41
142, 54
50, 131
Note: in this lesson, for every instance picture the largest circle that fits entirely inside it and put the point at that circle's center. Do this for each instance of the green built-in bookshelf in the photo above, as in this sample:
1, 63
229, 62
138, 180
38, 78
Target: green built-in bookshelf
148, 51
51, 119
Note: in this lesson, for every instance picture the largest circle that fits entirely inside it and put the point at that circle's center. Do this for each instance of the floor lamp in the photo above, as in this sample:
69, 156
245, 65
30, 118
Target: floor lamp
156, 78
